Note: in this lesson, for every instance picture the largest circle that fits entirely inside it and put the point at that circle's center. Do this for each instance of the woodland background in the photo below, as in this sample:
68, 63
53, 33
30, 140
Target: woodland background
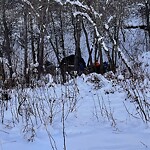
33, 32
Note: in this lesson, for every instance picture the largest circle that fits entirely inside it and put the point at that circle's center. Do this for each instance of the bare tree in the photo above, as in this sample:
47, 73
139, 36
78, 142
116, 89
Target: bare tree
6, 47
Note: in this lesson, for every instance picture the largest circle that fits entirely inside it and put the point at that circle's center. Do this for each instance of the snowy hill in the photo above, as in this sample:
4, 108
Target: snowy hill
89, 113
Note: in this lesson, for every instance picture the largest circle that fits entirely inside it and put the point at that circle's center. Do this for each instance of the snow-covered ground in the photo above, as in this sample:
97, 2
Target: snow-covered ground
103, 118
98, 115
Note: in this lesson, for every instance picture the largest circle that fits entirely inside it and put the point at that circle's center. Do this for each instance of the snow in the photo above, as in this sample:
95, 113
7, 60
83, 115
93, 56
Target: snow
145, 60
120, 77
111, 17
98, 113
98, 120
106, 26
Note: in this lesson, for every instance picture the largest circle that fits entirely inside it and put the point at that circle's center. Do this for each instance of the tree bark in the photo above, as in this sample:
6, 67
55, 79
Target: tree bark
77, 37
87, 44
6, 44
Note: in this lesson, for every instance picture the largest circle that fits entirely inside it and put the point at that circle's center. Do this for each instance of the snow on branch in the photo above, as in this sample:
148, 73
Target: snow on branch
87, 8
31, 6
106, 27
79, 4
125, 60
1, 59
76, 3
99, 38
84, 15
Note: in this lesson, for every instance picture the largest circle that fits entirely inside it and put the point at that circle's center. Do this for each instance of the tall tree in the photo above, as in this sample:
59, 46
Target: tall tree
7, 49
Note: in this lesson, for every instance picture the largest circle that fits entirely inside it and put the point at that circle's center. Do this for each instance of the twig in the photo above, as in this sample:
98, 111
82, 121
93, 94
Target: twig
144, 144
129, 112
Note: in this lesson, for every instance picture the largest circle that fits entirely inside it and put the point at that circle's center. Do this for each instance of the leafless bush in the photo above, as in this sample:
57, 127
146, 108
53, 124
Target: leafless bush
39, 107
137, 89
96, 80
102, 108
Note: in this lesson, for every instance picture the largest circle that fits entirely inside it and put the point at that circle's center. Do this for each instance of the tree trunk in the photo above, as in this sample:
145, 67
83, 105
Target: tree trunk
26, 69
6, 44
77, 37
32, 41
87, 44
42, 24
62, 44
147, 5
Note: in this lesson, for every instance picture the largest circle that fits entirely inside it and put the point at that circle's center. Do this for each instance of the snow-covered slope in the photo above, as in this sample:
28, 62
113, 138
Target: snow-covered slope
98, 116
